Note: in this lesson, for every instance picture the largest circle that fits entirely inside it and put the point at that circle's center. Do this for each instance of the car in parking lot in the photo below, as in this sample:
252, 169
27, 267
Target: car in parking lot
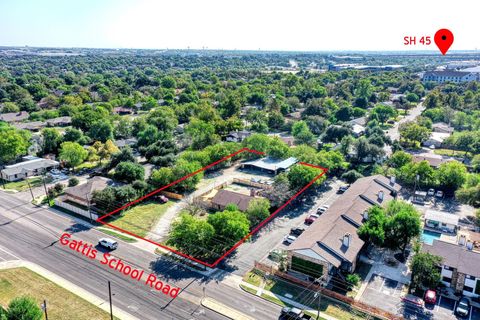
289, 239
463, 307
55, 172
431, 192
311, 218
439, 194
296, 231
322, 209
430, 297
108, 243
342, 189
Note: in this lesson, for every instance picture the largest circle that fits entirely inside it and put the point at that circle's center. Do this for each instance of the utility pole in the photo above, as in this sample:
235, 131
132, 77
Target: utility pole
317, 295
44, 307
45, 187
110, 297
30, 187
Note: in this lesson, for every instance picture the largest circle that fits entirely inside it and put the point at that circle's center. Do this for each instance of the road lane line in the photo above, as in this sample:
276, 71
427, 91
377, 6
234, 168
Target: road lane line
10, 253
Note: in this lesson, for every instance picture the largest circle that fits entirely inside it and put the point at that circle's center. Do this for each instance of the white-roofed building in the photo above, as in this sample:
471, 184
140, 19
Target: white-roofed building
270, 165
28, 168
441, 221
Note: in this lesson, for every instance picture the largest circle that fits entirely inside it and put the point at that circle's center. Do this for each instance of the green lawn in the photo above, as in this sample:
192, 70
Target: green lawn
22, 185
117, 235
450, 153
62, 304
89, 165
253, 278
141, 218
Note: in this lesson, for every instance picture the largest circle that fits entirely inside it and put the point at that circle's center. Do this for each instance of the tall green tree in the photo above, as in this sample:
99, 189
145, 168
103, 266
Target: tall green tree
425, 270
24, 308
73, 153
13, 143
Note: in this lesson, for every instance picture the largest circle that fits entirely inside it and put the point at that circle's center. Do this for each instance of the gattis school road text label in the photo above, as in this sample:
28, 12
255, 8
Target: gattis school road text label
118, 265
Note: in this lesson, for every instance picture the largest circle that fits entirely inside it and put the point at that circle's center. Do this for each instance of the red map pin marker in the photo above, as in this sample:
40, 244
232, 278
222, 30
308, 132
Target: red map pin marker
443, 39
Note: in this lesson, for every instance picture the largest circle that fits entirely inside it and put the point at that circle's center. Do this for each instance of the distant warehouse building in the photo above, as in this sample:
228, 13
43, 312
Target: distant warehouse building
449, 76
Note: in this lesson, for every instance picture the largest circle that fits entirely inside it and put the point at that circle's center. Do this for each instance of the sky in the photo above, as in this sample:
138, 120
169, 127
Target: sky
289, 25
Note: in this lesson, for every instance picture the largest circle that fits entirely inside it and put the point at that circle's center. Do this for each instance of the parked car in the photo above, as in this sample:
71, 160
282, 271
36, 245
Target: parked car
430, 297
161, 198
108, 243
296, 231
342, 189
431, 192
439, 194
289, 239
463, 307
322, 209
293, 313
311, 218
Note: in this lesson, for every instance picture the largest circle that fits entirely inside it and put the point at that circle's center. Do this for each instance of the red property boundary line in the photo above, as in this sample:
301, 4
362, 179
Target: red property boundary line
256, 229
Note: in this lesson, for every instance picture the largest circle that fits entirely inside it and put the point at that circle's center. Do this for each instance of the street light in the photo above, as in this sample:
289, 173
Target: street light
44, 308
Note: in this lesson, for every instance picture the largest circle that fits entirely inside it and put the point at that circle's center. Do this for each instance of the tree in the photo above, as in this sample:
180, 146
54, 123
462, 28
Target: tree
257, 141
425, 270
101, 130
278, 149
258, 210
302, 133
383, 112
202, 134
425, 173
124, 155
403, 225
13, 143
129, 172
161, 177
280, 191
192, 235
183, 168
373, 230
400, 159
353, 279
351, 176
230, 227
300, 175
451, 175
412, 134
51, 140
469, 195
105, 199
72, 153
24, 308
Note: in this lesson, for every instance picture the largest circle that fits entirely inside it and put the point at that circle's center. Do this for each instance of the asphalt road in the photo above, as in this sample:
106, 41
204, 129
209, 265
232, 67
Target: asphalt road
32, 234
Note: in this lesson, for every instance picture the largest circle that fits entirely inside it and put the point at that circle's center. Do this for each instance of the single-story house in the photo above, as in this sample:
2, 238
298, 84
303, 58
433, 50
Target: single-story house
436, 139
82, 194
122, 110
358, 130
13, 117
29, 168
441, 221
225, 197
362, 121
270, 165
238, 136
460, 265
126, 142
435, 160
442, 127
331, 243
59, 122
31, 126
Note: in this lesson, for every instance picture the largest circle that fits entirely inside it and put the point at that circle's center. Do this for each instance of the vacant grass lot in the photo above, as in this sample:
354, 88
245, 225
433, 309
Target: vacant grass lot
61, 304
22, 185
141, 218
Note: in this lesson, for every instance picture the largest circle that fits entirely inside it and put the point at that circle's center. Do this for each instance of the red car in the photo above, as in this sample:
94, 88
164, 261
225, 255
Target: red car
430, 297
311, 218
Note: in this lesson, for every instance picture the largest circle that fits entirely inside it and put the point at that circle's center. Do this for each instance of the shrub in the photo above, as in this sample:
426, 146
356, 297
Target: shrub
24, 308
72, 182
353, 279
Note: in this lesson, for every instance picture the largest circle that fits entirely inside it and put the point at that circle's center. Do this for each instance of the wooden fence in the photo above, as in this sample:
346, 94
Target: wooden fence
357, 305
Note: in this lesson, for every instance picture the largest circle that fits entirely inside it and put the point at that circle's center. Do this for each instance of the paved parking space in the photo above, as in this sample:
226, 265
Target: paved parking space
444, 309
385, 292
475, 313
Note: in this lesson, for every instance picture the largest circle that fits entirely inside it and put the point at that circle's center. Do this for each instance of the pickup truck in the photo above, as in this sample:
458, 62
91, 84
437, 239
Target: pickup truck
293, 313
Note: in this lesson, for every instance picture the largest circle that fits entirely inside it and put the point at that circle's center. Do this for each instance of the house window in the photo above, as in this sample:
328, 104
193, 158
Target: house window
447, 279
307, 267
468, 289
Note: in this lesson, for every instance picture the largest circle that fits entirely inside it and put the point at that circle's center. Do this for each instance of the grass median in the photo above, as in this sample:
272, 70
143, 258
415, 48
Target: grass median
61, 303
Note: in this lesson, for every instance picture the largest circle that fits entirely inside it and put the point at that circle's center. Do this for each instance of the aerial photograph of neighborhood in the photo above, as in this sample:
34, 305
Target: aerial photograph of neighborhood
245, 160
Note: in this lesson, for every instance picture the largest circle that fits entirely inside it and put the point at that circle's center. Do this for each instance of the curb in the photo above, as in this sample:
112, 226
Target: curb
222, 309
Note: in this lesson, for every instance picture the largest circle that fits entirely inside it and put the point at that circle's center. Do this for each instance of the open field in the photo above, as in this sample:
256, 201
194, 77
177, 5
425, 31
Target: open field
62, 304
141, 218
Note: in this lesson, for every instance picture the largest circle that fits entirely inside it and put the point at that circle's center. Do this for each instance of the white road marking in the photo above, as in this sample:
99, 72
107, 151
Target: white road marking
10, 253
439, 300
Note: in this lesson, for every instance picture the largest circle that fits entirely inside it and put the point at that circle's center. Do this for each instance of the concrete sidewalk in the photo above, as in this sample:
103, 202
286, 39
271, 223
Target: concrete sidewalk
96, 301
286, 300
224, 310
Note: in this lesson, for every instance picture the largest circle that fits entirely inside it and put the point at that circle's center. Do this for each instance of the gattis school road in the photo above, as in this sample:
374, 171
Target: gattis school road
118, 265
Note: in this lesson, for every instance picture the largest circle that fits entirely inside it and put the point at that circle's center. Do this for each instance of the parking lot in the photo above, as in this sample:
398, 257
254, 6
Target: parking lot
445, 307
385, 292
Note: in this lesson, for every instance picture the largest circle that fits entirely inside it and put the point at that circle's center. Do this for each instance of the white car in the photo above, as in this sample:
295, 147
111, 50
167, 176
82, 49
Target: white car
323, 208
55, 172
108, 243
439, 194
289, 239
431, 192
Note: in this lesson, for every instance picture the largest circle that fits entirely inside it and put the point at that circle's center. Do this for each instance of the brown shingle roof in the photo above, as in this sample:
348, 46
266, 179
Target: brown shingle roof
14, 116
226, 197
456, 256
344, 216
433, 159
86, 189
